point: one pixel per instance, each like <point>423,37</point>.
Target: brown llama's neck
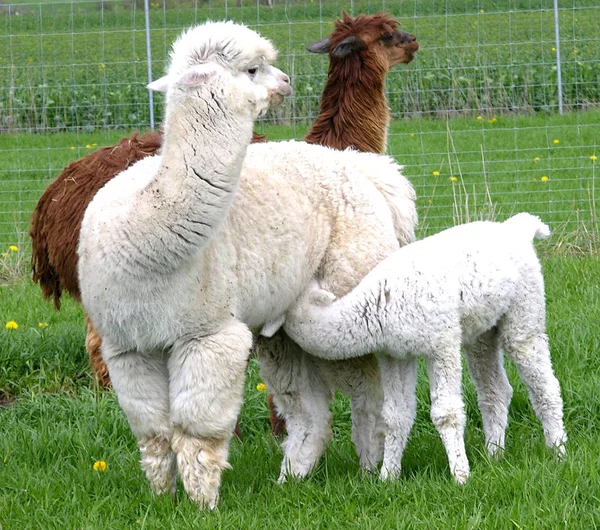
<point>354,111</point>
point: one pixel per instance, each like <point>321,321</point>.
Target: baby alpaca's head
<point>312,296</point>
<point>229,63</point>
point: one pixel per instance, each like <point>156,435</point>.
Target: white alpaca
<point>180,255</point>
<point>478,285</point>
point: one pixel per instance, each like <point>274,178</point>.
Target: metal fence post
<point>149,61</point>
<point>557,45</point>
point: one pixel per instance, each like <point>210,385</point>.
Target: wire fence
<point>498,113</point>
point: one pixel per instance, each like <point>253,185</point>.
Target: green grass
<point>493,164</point>
<point>59,424</point>
<point>83,65</point>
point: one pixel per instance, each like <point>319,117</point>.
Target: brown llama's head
<point>373,34</point>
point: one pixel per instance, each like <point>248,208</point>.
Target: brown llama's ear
<point>320,46</point>
<point>349,45</point>
<point>346,17</point>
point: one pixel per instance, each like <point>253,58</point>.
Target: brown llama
<point>354,110</point>
<point>353,113</point>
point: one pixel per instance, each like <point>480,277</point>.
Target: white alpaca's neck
<point>189,197</point>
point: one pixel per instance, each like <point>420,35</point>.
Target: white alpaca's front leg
<point>399,380</point>
<point>141,382</point>
<point>447,407</point>
<point>207,376</point>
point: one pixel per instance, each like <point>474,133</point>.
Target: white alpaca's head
<point>236,61</point>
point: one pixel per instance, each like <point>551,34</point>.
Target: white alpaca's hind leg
<point>141,382</point>
<point>368,428</point>
<point>207,383</point>
<point>447,407</point>
<point>360,379</point>
<point>485,362</point>
<point>399,379</point>
<point>302,399</point>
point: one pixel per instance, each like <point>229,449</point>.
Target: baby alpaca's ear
<point>318,296</point>
<point>322,298</point>
<point>270,328</point>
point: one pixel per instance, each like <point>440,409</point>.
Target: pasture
<point>479,141</point>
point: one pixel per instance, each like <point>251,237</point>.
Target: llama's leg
<point>302,399</point>
<point>494,392</point>
<point>447,407</point>
<point>399,380</point>
<point>526,344</point>
<point>93,345</point>
<point>141,382</point>
<point>206,389</point>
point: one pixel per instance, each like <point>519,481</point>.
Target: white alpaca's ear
<point>194,76</point>
<point>198,74</point>
<point>159,85</point>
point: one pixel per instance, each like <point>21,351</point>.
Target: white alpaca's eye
<point>252,71</point>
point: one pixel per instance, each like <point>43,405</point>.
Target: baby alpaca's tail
<point>530,226</point>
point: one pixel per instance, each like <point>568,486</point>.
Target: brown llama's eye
<point>387,38</point>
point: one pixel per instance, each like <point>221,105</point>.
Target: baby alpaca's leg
<point>447,407</point>
<point>141,382</point>
<point>494,392</point>
<point>399,379</point>
<point>527,346</point>
<point>207,384</point>
<point>302,399</point>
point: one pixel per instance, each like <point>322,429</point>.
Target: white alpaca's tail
<point>386,175</point>
<point>529,226</point>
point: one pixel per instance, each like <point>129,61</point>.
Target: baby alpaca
<point>477,285</point>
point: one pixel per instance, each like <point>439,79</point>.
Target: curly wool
<point>479,286</point>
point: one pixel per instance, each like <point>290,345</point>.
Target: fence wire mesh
<point>476,115</point>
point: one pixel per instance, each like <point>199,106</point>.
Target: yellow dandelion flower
<point>261,387</point>
<point>72,148</point>
<point>593,158</point>
<point>479,118</point>
<point>544,178</point>
<point>575,51</point>
<point>553,49</point>
<point>11,324</point>
<point>88,146</point>
<point>436,173</point>
<point>536,159</point>
<point>453,179</point>
<point>412,135</point>
<point>494,120</point>
<point>555,142</point>
<point>101,66</point>
<point>482,11</point>
<point>100,466</point>
<point>429,201</point>
<point>94,145</point>
<point>13,248</point>
<point>43,324</point>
